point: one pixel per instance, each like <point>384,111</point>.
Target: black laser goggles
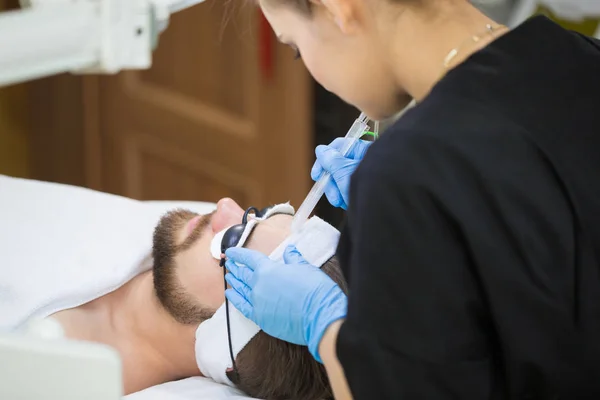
<point>231,238</point>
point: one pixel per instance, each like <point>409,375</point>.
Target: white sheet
<point>44,224</point>
<point>189,389</point>
<point>62,246</point>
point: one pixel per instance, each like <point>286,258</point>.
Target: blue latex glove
<point>291,300</point>
<point>341,168</point>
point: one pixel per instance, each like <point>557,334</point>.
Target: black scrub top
<point>472,240</point>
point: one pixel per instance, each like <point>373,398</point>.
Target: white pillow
<point>94,241</point>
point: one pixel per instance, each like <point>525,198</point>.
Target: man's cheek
<point>205,281</point>
<point>214,295</point>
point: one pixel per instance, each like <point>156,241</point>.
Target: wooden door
<point>213,117</point>
<point>208,121</point>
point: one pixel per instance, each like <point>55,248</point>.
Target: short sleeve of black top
<point>470,244</point>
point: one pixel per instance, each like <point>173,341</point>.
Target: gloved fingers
<point>359,149</point>
<point>317,169</point>
<point>240,303</point>
<point>356,152</point>
<point>250,258</point>
<point>241,272</point>
<point>330,159</point>
<point>333,194</point>
<point>239,286</point>
<point>292,255</point>
<point>337,143</point>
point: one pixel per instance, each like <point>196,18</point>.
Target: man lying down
<point>153,319</point>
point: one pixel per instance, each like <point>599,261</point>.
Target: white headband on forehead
<point>316,241</point>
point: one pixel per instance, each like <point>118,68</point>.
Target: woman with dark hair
<point>471,245</point>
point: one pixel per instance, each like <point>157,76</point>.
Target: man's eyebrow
<point>205,221</point>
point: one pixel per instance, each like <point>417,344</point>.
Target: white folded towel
<point>316,241</point>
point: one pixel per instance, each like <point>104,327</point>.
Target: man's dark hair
<point>272,369</point>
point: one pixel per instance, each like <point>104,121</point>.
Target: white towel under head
<point>316,241</point>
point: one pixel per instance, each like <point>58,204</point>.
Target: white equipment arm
<point>48,37</point>
<point>40,363</point>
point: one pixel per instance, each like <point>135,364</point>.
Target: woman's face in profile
<point>341,48</point>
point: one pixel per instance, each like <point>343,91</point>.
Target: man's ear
<point>343,13</point>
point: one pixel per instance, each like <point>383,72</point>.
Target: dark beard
<point>179,304</point>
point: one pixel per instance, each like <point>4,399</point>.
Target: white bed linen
<point>62,246</point>
<point>197,388</point>
<point>42,224</point>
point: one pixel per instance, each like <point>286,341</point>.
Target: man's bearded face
<point>171,237</point>
<point>188,281</point>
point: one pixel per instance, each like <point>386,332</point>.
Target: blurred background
<point>224,111</point>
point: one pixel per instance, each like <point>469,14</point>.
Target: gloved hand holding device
<point>291,300</point>
<point>341,168</point>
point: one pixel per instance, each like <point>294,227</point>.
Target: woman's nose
<point>228,213</point>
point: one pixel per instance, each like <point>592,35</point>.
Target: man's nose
<point>228,213</point>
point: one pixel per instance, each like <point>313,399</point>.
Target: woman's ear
<point>343,13</point>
